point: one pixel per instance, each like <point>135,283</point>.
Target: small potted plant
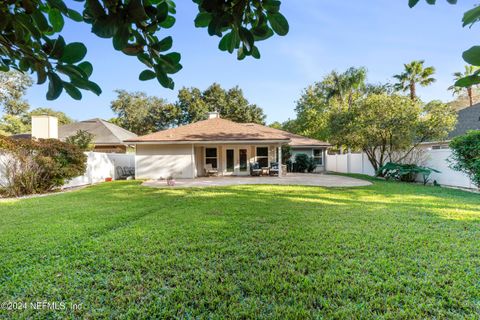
<point>171,181</point>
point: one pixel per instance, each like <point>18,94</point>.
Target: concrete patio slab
<point>301,179</point>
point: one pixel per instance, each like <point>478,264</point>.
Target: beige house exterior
<point>229,147</point>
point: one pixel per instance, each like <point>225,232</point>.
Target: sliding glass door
<point>243,159</point>
<point>230,160</point>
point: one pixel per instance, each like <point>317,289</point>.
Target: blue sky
<point>324,35</point>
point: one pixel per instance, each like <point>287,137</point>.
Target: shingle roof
<point>218,129</point>
<point>468,119</point>
<point>104,132</point>
<point>295,139</point>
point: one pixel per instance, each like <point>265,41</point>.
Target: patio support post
<point>194,167</point>
<point>279,161</point>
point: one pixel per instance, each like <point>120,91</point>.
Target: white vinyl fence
<point>104,165</point>
<point>436,159</point>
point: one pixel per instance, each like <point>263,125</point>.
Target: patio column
<point>194,166</point>
<point>279,161</point>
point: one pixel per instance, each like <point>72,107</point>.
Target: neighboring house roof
<point>105,133</point>
<point>218,129</point>
<point>295,139</point>
<point>468,119</point>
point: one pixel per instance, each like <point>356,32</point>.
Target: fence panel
<point>124,164</point>
<point>436,159</point>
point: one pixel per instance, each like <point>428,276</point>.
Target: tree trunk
<point>470,95</point>
<point>413,91</point>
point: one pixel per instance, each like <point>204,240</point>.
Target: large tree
<point>31,36</point>
<point>17,117</point>
<point>12,124</point>
<point>13,86</point>
<point>335,90</point>
<point>462,100</point>
<point>383,125</point>
<point>142,114</point>
<point>414,74</point>
<point>457,90</point>
<point>194,104</point>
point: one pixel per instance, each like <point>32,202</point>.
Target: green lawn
<point>390,251</point>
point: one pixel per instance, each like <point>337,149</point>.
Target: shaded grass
<point>389,250</point>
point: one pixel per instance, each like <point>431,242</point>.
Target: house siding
<point>162,161</point>
<point>309,152</point>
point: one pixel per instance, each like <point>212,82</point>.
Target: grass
<point>389,250</point>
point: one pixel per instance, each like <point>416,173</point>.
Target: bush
<point>82,139</point>
<point>466,155</point>
<point>304,163</point>
<point>405,172</point>
<point>38,166</point>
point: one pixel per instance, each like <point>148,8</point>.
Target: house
<point>108,137</point>
<point>230,147</point>
<point>468,119</point>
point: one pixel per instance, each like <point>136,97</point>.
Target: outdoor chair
<point>255,169</point>
<point>274,169</point>
<point>210,171</point>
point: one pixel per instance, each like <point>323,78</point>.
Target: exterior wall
<point>162,161</point>
<point>309,152</point>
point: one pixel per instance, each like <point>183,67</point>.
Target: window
<point>318,156</point>
<point>230,160</point>
<point>439,147</point>
<point>243,159</point>
<point>262,156</point>
<point>211,157</point>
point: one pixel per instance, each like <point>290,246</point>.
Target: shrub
<point>82,139</point>
<point>405,172</point>
<point>303,163</point>
<point>466,155</point>
<point>37,166</point>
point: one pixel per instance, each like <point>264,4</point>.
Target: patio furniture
<point>274,169</point>
<point>210,171</point>
<point>255,169</point>
<point>265,171</point>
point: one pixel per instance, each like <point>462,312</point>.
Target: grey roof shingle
<point>468,119</point>
<point>104,132</point>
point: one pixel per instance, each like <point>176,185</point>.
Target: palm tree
<point>469,70</point>
<point>343,86</point>
<point>414,74</point>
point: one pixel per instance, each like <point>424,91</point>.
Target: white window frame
<point>318,157</point>
<point>440,147</point>
<point>216,158</point>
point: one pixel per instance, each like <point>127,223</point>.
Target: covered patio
<point>304,179</point>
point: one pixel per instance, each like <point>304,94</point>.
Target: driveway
<point>303,179</point>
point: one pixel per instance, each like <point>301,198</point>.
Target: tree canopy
<point>13,86</point>
<point>142,114</point>
<point>31,36</point>
<point>193,105</point>
<point>17,117</point>
<point>414,73</point>
<point>382,125</point>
